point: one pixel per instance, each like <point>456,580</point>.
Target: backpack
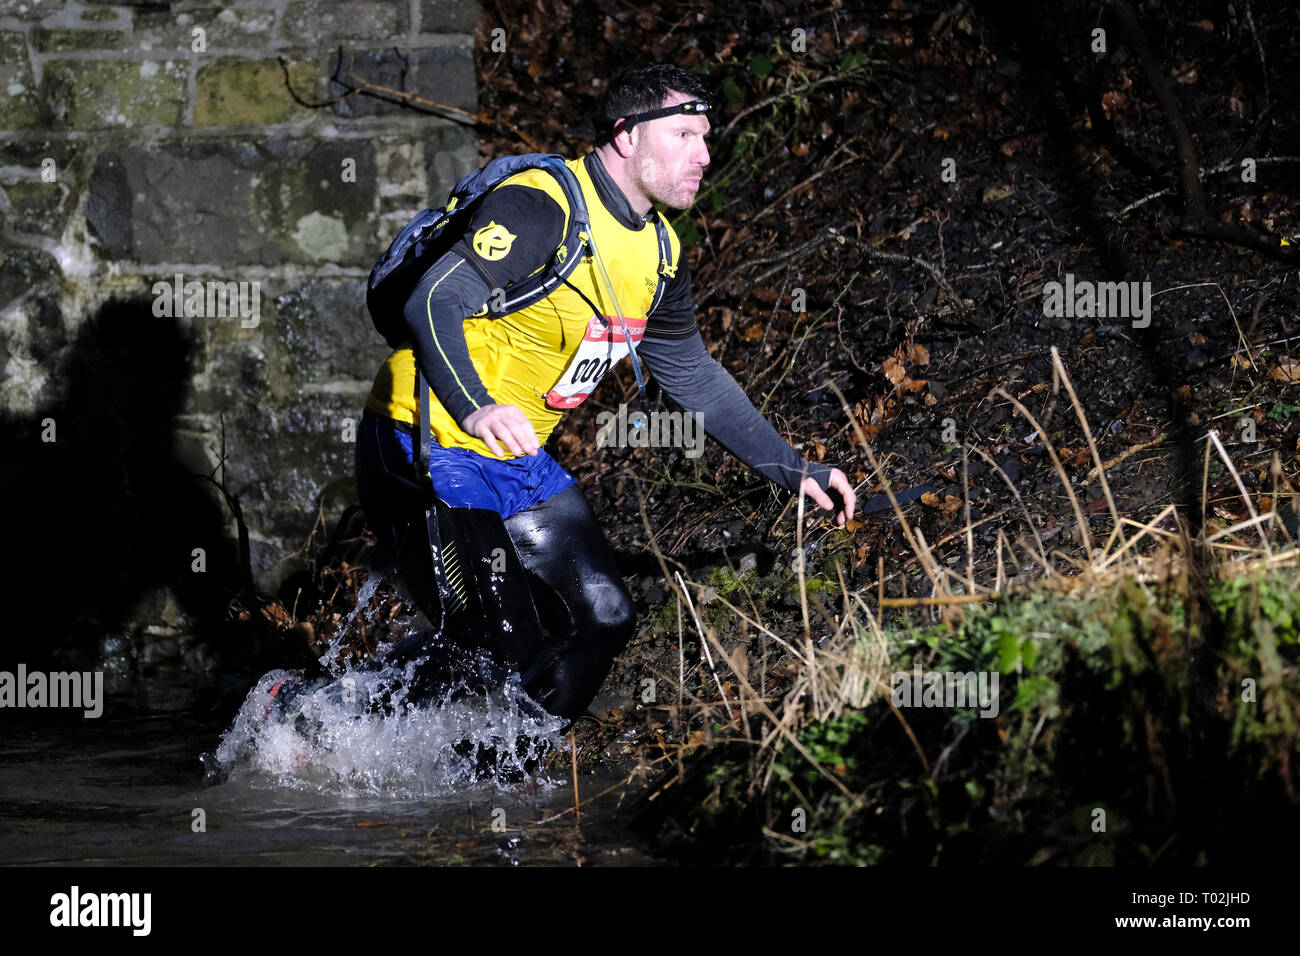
<point>432,233</point>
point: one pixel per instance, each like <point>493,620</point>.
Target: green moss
<point>19,105</point>
<point>233,91</point>
<point>63,39</point>
<point>727,583</point>
<point>93,94</point>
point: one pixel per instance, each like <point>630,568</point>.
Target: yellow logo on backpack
<point>493,241</point>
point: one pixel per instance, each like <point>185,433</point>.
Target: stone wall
<point>145,140</point>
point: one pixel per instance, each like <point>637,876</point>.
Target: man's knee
<point>610,618</point>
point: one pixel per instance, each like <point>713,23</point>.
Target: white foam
<point>337,747</point>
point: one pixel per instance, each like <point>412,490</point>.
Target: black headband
<point>690,107</point>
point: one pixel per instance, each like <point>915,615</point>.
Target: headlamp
<point>690,107</point>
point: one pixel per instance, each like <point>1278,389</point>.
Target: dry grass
<point>853,666</point>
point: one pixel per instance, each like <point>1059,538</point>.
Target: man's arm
<point>676,356</point>
<point>458,285</point>
<point>699,383</point>
<point>448,293</point>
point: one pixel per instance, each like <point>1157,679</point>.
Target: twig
<point>1120,459</point>
<point>807,87</point>
<point>1060,470</point>
<point>1029,520</point>
<point>1064,378</point>
<point>1222,167</point>
<point>902,519</point>
<point>970,530</point>
<point>811,179</point>
<point>1196,218</point>
<point>1232,469</point>
<point>946,599</point>
<point>1259,47</point>
<point>362,85</point>
<point>705,645</point>
<point>930,267</point>
<point>573,751</point>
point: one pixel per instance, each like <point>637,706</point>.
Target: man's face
<point>669,155</point>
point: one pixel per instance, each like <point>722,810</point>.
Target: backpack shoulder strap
<point>565,257</point>
<point>669,252</point>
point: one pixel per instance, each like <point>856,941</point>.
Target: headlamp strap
<point>690,107</point>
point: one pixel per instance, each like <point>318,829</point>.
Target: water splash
<point>358,734</point>
<point>333,656</point>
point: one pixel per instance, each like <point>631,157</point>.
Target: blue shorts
<point>462,478</point>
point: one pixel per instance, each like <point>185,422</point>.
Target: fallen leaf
<point>1286,371</point>
<point>739,662</point>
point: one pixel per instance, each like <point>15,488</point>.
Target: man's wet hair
<point>640,90</point>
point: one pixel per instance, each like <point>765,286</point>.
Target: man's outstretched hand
<point>838,483</point>
<point>506,423</point>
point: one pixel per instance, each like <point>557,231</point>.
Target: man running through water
<point>501,385</point>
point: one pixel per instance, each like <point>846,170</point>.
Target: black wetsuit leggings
<point>584,609</point>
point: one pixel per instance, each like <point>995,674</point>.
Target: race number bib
<point>603,347</point>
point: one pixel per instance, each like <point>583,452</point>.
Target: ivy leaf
<point>691,234</point>
<point>761,65</point>
<point>1008,652</point>
<point>1029,653</point>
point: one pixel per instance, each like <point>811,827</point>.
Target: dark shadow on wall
<point>106,512</point>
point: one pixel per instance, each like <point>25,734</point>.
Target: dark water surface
<point>124,788</point>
